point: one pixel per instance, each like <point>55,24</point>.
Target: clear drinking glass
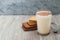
<point>43,21</point>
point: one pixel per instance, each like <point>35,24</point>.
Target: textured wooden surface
<point>11,29</point>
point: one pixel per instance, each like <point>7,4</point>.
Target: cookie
<point>35,24</point>
<point>32,21</point>
<point>27,27</point>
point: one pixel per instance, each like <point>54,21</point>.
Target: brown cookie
<point>32,20</point>
<point>31,24</point>
<point>27,27</point>
<point>30,29</point>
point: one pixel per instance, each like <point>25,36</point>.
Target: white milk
<point>43,23</point>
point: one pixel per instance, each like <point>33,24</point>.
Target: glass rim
<point>44,11</point>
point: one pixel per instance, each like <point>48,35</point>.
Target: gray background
<point>17,7</point>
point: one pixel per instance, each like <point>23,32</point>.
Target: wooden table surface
<point>11,29</point>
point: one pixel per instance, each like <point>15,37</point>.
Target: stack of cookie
<point>30,25</point>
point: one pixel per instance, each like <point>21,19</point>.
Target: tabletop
<point>11,28</point>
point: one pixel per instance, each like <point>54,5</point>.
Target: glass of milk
<point>43,22</point>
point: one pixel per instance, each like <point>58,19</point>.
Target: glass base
<point>43,34</point>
